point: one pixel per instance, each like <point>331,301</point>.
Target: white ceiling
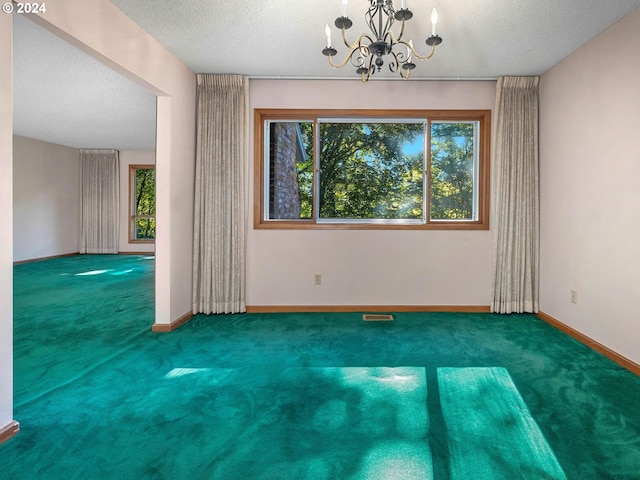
<point>63,96</point>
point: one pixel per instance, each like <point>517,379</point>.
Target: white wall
<point>590,174</point>
<point>46,199</point>
<point>369,267</point>
<point>127,158</point>
<point>6,221</point>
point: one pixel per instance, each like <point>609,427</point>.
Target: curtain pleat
<point>516,197</point>
<point>100,201</point>
<point>220,211</point>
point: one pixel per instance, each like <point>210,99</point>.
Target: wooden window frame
<point>132,214</point>
<point>483,184</point>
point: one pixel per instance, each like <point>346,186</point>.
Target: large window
<point>372,169</point>
<point>142,203</point>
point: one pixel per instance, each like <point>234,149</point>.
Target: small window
<point>290,175</point>
<point>372,169</point>
<point>142,203</point>
<point>454,171</point>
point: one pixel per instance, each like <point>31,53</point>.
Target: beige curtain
<point>516,197</point>
<point>220,198</point>
<point>100,201</point>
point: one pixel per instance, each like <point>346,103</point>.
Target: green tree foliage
<point>452,169</point>
<point>305,171</point>
<point>145,206</point>
<point>366,171</point>
<point>376,170</point>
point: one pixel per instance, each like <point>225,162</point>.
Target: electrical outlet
<point>317,279</point>
<point>574,296</point>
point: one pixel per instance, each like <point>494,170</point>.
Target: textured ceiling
<point>63,96</point>
<point>482,38</point>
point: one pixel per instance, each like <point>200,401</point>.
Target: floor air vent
<point>377,318</point>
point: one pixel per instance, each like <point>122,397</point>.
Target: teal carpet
<point>300,396</point>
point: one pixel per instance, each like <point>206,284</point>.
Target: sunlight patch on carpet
<point>123,272</point>
<point>92,272</point>
<point>180,372</point>
<point>403,387</point>
<point>351,423</point>
<point>491,433</point>
<point>397,460</point>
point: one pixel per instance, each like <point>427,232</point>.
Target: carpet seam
<point>80,375</point>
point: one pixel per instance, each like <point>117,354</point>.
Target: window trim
<point>482,116</point>
<point>132,213</point>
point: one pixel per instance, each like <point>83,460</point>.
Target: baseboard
<point>152,254</point>
<point>9,431</point>
<point>591,343</point>
<point>62,255</point>
<point>161,327</point>
<point>366,308</point>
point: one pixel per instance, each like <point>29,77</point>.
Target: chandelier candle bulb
<point>327,32</point>
<point>434,21</point>
<point>344,7</point>
<point>404,4</point>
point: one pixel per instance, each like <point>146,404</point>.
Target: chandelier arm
<point>346,60</point>
<point>401,32</point>
<point>367,75</point>
<point>409,48</point>
<point>358,42</point>
<point>413,51</point>
<point>391,39</point>
<point>393,42</point>
<point>364,77</point>
<point>357,46</point>
<point>395,63</point>
<point>419,57</point>
<point>406,75</point>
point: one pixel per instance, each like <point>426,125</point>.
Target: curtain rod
<point>394,79</point>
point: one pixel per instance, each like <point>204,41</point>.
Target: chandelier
<point>367,54</point>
